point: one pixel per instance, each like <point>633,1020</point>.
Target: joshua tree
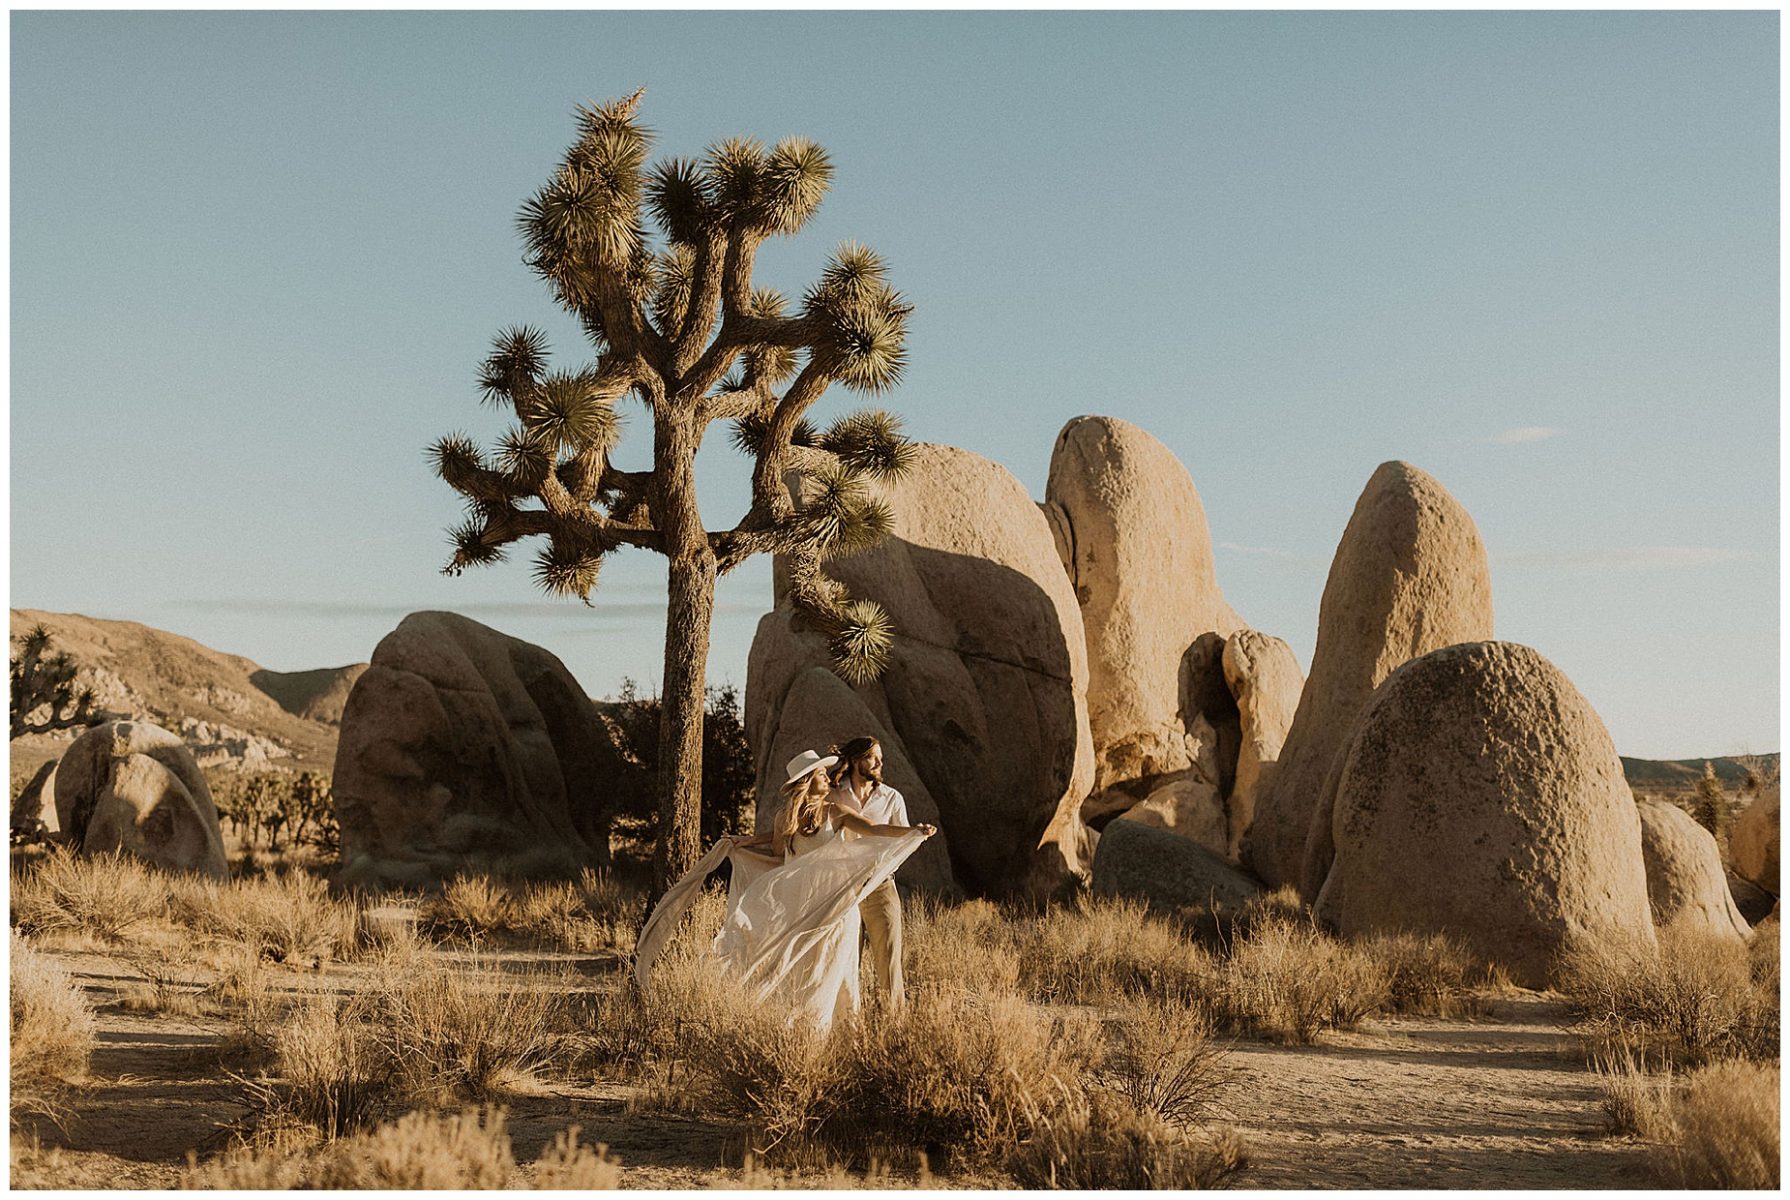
<point>40,678</point>
<point>679,325</point>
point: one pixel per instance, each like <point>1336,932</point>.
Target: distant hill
<point>229,709</point>
<point>1682,773</point>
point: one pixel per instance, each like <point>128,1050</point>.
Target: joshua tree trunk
<point>689,611</point>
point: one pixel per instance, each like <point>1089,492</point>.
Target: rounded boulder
<point>135,788</point>
<point>1685,881</point>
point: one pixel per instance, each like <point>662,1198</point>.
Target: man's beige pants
<point>881,912</point>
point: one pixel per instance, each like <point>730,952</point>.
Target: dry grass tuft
<point>1692,1001</point>
<point>958,946</point>
<point>1724,1129</point>
<point>52,1033</point>
<point>288,918</point>
<point>418,1151</point>
<point>567,1166</point>
<point>1095,1140</point>
<point>1163,1060</point>
<point>106,896</point>
<point>1287,981</point>
<point>332,1070</point>
<point>756,1176</point>
<point>452,1033</point>
<point>1431,973</point>
<point>1103,948</point>
<point>1635,1101</point>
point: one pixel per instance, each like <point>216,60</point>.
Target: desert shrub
<point>52,1032</point>
<point>419,1150</point>
<point>449,1032</point>
<point>1282,905</point>
<point>1096,1140</point>
<point>1101,948</point>
<point>1724,1129</point>
<point>287,918</point>
<point>1287,981</point>
<point>958,946</point>
<point>729,780</point>
<point>164,988</point>
<point>1692,999</point>
<point>955,1075</point>
<point>241,990</point>
<point>106,896</point>
<point>1430,973</point>
<point>469,908</point>
<point>565,1165</point>
<point>755,1175</point>
<point>333,1070</point>
<point>1163,1060</point>
<point>268,808</point>
<point>1635,1100</point>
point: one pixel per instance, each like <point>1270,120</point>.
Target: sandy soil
<point>1498,1101</point>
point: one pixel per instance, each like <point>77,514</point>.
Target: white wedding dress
<point>791,930</point>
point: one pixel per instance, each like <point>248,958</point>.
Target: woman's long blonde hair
<point>804,801</point>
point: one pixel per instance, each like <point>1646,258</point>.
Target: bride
<point>791,929</point>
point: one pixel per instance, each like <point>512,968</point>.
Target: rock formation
<point>1154,865</point>
<point>1409,576</point>
<point>461,745</point>
<point>1753,842</point>
<point>131,787</point>
<point>1479,795</point>
<point>1685,882</point>
<point>1133,537</point>
<point>985,694</point>
<point>1264,677</point>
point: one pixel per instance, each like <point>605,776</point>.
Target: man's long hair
<point>849,753</point>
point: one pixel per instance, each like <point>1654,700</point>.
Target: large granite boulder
<point>1479,795</point>
<point>1166,871</point>
<point>462,746</point>
<point>1753,842</point>
<point>1264,677</point>
<point>135,788</point>
<point>1685,882</point>
<point>1133,536</point>
<point>985,692</point>
<point>1410,576</point>
<point>34,808</point>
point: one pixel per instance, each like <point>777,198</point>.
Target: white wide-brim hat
<point>806,762</point>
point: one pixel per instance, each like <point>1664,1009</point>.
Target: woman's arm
<point>848,819</point>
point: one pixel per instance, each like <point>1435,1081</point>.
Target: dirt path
<point>1500,1101</point>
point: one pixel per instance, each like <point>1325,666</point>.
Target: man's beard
<point>864,772</point>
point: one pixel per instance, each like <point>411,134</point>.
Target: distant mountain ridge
<point>230,710</point>
<point>1676,773</point>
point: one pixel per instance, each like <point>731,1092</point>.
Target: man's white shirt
<point>884,805</point>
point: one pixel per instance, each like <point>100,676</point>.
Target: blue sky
<point>257,257</point>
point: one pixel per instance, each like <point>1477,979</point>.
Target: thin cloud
<point>1526,433</point>
<point>1629,558</point>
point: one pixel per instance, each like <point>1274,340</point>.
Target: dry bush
<point>471,907</point>
<point>1102,948</point>
<point>1425,973</point>
<point>567,1166</point>
<point>1692,1000</point>
<point>451,1032</point>
<point>104,896</point>
<point>1163,1060</point>
<point>1724,1129</point>
<point>958,946</point>
<point>592,914</point>
<point>1635,1100</point>
<point>287,918</point>
<point>1288,981</point>
<point>1096,1140</point>
<point>1282,905</point>
<point>756,1176</point>
<point>955,1074</point>
<point>332,1070</point>
<point>52,1032</point>
<point>162,990</point>
<point>242,992</point>
<point>419,1150</point>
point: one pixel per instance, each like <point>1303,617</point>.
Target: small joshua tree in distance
<point>40,678</point>
<point>678,324</point>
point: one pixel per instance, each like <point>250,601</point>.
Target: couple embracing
<point>802,895</point>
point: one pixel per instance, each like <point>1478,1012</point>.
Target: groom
<point>859,787</point>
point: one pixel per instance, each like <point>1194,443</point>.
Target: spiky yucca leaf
<point>852,274</point>
<point>473,546</point>
<point>840,516</point>
<point>749,433</point>
<point>862,647</point>
<point>612,115</point>
<point>456,458</point>
<point>568,411</point>
<point>865,342</point>
<point>677,192</point>
<point>525,457</point>
<point>736,171</point>
<point>579,213</point>
<point>518,356</point>
<point>870,442</point>
<point>671,298</point>
<point>796,177</point>
<point>565,570</point>
<point>858,527</point>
